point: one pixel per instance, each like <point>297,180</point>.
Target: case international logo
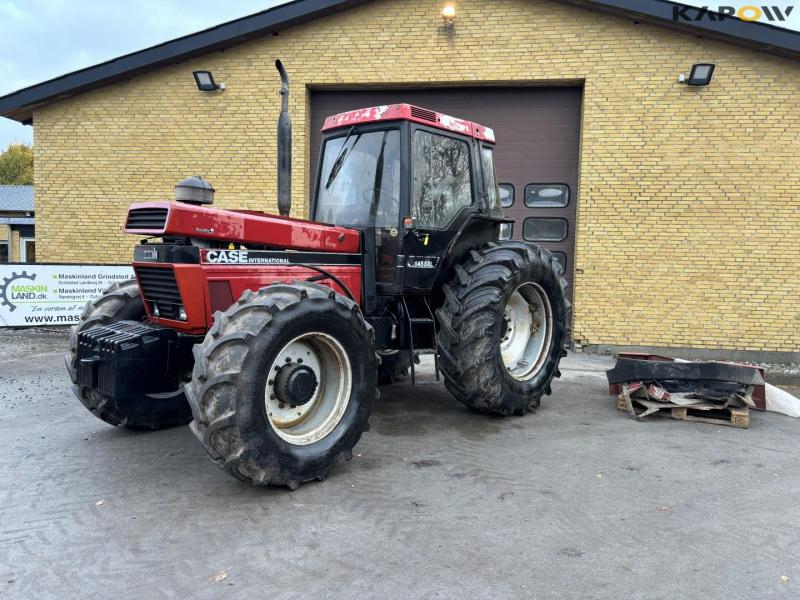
<point>748,12</point>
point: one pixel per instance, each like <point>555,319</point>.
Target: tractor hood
<point>177,219</point>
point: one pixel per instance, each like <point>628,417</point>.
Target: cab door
<point>443,192</point>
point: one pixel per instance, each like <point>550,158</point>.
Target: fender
<point>476,231</point>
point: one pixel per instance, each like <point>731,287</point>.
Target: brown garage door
<point>538,132</point>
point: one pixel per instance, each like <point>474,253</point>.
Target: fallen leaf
<point>784,579</point>
<point>99,503</point>
<point>599,475</point>
<point>664,509</point>
<point>217,577</point>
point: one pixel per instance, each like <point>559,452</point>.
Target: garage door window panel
<point>442,179</point>
<point>562,259</point>
<point>545,229</point>
<point>506,195</point>
<point>546,195</point>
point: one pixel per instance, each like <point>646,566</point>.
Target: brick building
<point>17,224</point>
<point>674,208</point>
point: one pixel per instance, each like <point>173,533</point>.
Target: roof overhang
<point>20,105</point>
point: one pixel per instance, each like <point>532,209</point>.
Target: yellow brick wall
<point>688,201</point>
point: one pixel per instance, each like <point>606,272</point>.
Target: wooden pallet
<point>732,417</point>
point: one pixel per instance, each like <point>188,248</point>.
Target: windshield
<point>360,180</point>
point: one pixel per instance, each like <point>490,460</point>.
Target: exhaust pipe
<point>284,147</point>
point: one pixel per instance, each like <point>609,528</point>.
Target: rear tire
<point>251,433</point>
<point>123,302</point>
<point>487,362</point>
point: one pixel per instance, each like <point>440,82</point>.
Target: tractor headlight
<point>182,314</point>
<point>154,310</point>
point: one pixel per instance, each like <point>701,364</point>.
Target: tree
<point>16,165</point>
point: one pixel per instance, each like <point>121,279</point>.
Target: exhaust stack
<point>284,147</point>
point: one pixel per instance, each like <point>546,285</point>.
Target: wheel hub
<point>295,384</point>
<point>308,388</point>
<point>526,331</point>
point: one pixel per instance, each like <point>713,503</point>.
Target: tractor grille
<point>160,288</point>
<point>147,218</point>
<point>424,114</point>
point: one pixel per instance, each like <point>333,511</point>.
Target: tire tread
<point>467,356</point>
<point>219,362</point>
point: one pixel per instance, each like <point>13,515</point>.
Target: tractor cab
<point>422,180</point>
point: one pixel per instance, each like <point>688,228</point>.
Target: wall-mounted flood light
<point>701,75</point>
<point>205,82</point>
<point>449,15</point>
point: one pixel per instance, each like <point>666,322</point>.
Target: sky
<point>42,39</point>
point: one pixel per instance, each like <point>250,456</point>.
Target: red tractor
<point>270,334</point>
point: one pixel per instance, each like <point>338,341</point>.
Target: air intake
<point>154,219</point>
<point>423,114</point>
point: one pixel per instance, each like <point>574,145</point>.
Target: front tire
<point>283,384</point>
<point>503,326</point>
<point>123,302</point>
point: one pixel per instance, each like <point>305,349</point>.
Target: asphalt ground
<point>573,501</point>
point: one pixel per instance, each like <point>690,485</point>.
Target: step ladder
<point>429,321</point>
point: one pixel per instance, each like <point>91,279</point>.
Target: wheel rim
<point>317,417</point>
<point>528,330</point>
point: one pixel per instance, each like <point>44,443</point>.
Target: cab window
<point>360,180</point>
<point>490,178</point>
<point>442,179</point>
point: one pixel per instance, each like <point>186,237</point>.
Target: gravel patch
<point>22,343</point>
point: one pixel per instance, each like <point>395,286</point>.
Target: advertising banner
<point>39,295</point>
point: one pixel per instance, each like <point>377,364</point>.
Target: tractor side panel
<point>241,279</point>
<point>201,289</point>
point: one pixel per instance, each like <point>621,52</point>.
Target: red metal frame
<point>409,112</point>
<point>249,227</point>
